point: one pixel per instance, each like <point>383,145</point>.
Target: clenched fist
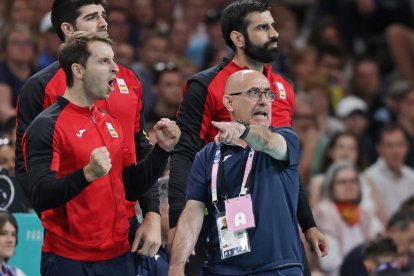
<point>99,164</point>
<point>167,134</point>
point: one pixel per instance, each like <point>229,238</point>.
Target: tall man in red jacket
<point>42,90</point>
<point>248,28</point>
<point>80,169</point>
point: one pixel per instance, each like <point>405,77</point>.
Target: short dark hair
<point>76,50</point>
<point>234,17</point>
<point>6,216</point>
<point>388,129</point>
<point>68,11</point>
<point>401,220</point>
<point>381,250</point>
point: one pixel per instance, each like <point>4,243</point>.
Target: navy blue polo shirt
<point>275,241</point>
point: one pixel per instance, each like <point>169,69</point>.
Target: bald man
<point>249,176</point>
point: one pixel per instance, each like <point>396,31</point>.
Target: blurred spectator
<point>287,27</point>
<point>380,256</point>
<point>11,194</point>
<point>340,216</point>
<point>302,66</point>
<point>124,54</point>
<point>366,84</point>
<point>405,117</point>
<point>8,242</point>
<point>318,88</point>
<point>214,55</point>
<point>9,129</point>
<point>187,67</point>
<point>49,43</point>
<point>313,141</point>
<point>331,64</point>
<point>2,13</point>
<point>7,156</point>
<point>345,146</point>
<point>118,27</point>
<point>142,14</point>
<point>18,48</point>
<point>165,14</point>
<point>168,89</point>
<point>400,229</point>
<point>326,32</point>
<point>152,51</point>
<point>21,12</point>
<point>394,180</point>
<point>42,7</point>
<point>178,40</point>
<point>400,40</point>
<point>354,113</point>
<point>194,14</point>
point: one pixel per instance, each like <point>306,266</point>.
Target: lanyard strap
<point>214,173</point>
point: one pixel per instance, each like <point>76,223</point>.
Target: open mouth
<point>111,84</point>
<point>260,113</point>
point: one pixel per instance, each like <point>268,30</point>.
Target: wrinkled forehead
<point>250,82</point>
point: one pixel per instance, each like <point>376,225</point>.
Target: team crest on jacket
<point>112,130</point>
<point>123,88</point>
<point>282,91</point>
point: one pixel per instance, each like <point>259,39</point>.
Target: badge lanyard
<point>214,173</point>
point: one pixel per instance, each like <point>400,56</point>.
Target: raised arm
<point>258,137</point>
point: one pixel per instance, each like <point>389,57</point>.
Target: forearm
<point>188,229</point>
<point>138,178</point>
<point>304,212</point>
<point>150,201</point>
<point>48,192</point>
<point>261,138</point>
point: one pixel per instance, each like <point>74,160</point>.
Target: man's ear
<point>67,28</point>
<point>77,71</point>
<point>228,103</point>
<point>237,38</point>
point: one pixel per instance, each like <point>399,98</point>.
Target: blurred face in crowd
<point>330,67</point>
<point>261,38</point>
<point>404,239</point>
<point>170,87</point>
<point>345,187</point>
<point>143,12</point>
<point>304,117</point>
<point>7,241</point>
<point>356,123</point>
<point>393,148</point>
<point>366,78</point>
<point>92,18</point>
<point>118,28</point>
<point>194,12</point>
<point>345,149</point>
<point>22,12</point>
<point>179,37</point>
<point>20,47</point>
<point>7,158</point>
<point>154,51</point>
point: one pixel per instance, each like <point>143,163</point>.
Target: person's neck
<point>20,69</point>
<point>396,171</point>
<point>77,96</point>
<point>242,60</point>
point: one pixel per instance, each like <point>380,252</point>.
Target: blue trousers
<point>52,265</point>
<point>289,271</point>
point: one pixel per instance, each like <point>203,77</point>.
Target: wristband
<point>246,130</point>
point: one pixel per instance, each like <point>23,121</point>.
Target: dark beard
<point>262,53</point>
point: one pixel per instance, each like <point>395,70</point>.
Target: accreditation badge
<point>231,243</point>
<point>239,213</point>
